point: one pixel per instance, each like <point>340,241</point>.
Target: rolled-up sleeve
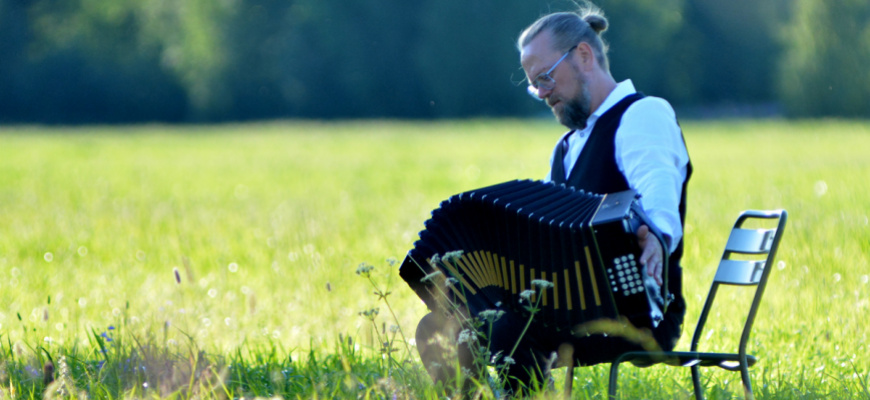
<point>651,154</point>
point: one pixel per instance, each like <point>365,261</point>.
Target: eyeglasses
<point>544,80</point>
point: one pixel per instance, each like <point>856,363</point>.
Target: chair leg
<point>696,382</point>
<point>566,354</point>
<point>747,384</point>
<point>614,376</point>
<point>569,381</point>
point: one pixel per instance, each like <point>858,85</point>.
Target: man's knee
<point>433,325</point>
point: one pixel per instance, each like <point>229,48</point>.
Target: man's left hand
<point>652,254</point>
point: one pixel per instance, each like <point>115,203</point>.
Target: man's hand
<point>652,255</point>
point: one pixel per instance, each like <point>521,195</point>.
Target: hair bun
<point>597,22</point>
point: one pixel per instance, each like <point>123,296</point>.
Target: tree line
<point>109,61</point>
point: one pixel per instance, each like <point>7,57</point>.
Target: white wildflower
<point>467,336</point>
<point>527,295</point>
<point>490,315</point>
<point>431,276</point>
<point>543,284</point>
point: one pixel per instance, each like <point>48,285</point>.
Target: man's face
<point>569,98</point>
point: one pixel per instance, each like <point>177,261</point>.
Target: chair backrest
<point>747,261</point>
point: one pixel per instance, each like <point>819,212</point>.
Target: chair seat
<point>728,361</point>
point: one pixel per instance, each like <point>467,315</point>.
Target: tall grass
<point>265,225</point>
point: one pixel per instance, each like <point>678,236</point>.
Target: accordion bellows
<point>483,248</point>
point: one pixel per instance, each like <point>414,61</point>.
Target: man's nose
<point>543,92</point>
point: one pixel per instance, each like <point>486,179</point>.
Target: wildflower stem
<point>390,308</point>
<point>532,311</point>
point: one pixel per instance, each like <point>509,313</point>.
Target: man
<point>618,140</point>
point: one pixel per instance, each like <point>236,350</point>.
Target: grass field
<point>219,261</point>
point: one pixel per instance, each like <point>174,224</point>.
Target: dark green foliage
<point>824,72</point>
<point>105,61</point>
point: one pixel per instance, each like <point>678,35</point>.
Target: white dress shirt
<point>650,153</point>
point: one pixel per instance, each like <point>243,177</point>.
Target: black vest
<point>596,171</point>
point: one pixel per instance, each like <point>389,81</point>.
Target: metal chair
<point>755,250</point>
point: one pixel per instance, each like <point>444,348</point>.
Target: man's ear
<point>586,57</point>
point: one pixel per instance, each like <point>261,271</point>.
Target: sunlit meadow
<point>219,261</point>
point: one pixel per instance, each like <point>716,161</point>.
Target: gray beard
<point>576,111</point>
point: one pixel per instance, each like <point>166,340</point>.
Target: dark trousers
<point>539,348</point>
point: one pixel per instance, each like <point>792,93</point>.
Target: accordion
<point>482,249</point>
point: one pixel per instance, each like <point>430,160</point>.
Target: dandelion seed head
<point>212,293</point>
<point>865,279</point>
<point>837,277</point>
<point>48,257</point>
<point>780,265</point>
<point>309,249</point>
<point>820,188</point>
<point>82,251</point>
